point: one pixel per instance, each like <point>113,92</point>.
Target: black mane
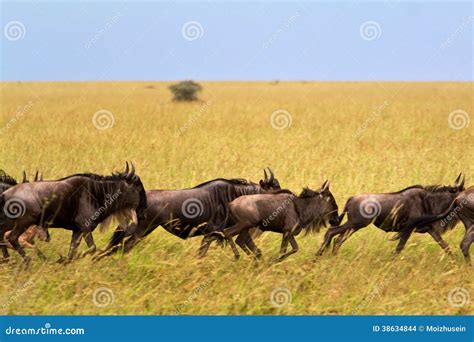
<point>7,179</point>
<point>429,188</point>
<point>116,176</point>
<point>236,181</point>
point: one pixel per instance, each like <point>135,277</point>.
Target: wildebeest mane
<point>235,181</point>
<point>7,179</point>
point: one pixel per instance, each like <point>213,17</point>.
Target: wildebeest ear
<point>325,186</point>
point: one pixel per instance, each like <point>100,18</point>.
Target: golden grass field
<point>364,137</point>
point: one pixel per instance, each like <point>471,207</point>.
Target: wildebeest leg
<point>205,244</point>
<point>340,240</point>
<point>75,241</point>
<point>331,233</point>
<point>466,242</point>
<point>234,230</point>
<point>13,240</point>
<point>437,237</point>
<point>90,243</point>
<point>402,241</point>
<point>245,235</point>
<point>3,245</point>
<point>242,243</point>
<point>291,239</point>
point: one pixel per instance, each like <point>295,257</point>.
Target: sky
<point>325,41</point>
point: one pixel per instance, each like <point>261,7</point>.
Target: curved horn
<point>462,182</point>
<point>325,186</point>
<point>126,168</point>
<point>132,173</point>
<point>266,176</point>
<point>24,177</point>
<point>41,177</point>
<point>272,176</point>
<point>456,182</point>
<point>36,176</point>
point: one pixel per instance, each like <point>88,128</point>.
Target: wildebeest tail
<point>344,211</point>
<point>3,217</point>
<point>424,220</point>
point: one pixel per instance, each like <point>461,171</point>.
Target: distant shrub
<point>185,91</point>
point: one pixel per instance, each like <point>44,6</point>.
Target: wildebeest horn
<point>126,168</point>
<point>132,173</point>
<point>456,182</point>
<point>41,177</point>
<point>462,182</point>
<point>272,176</point>
<point>24,177</point>
<point>36,176</point>
<point>266,176</point>
<point>325,186</point>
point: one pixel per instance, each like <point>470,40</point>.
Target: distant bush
<point>185,91</point>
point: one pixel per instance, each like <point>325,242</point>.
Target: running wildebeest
<point>192,212</point>
<point>462,208</point>
<point>78,202</point>
<point>282,212</point>
<point>394,212</point>
<point>27,239</point>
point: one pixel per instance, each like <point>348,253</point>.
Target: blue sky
<point>237,41</point>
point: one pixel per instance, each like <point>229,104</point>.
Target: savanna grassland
<point>364,137</point>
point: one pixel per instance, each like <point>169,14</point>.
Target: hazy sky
<point>237,41</point>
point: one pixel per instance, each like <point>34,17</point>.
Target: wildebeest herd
<point>218,210</point>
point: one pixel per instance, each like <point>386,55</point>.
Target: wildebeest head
<point>329,206</point>
<point>441,196</point>
<point>269,182</point>
<point>135,192</point>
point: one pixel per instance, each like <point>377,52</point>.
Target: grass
<point>364,137</point>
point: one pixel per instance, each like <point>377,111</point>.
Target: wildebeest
<point>283,212</point>
<point>191,212</point>
<point>27,239</point>
<point>462,208</point>
<point>78,202</point>
<point>394,212</point>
